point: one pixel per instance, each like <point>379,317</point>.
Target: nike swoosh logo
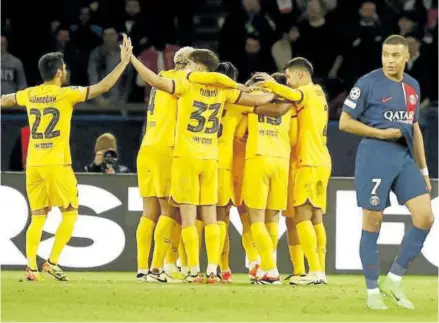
<point>384,100</point>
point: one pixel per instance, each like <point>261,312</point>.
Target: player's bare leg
<point>223,224</point>
<point>296,253</point>
<point>144,235</point>
<point>248,243</point>
<point>212,241</point>
<point>369,255</point>
<point>308,240</point>
<point>33,238</point>
<point>62,237</point>
<point>422,218</point>
<point>169,218</point>
<point>317,222</point>
<point>269,273</point>
<point>191,243</point>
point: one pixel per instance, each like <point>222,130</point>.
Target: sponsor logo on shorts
<point>374,200</point>
<point>355,93</point>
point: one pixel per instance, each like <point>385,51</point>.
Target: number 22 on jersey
<point>48,126</point>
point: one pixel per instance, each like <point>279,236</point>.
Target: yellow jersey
<point>199,113</point>
<point>231,117</point>
<point>312,117</point>
<point>293,137</point>
<point>268,136</point>
<point>162,114</point>
<point>49,110</point>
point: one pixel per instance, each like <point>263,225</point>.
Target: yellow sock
<point>321,244</point>
<point>172,254</point>
<point>263,245</point>
<point>297,259</point>
<point>162,240</point>
<point>212,240</point>
<point>200,227</point>
<point>33,238</point>
<point>272,228</point>
<point>222,239</point>
<point>63,234</point>
<point>225,255</point>
<point>182,253</point>
<point>144,236</point>
<point>247,240</point>
<point>308,240</point>
<point>191,245</point>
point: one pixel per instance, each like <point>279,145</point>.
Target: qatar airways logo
<point>400,116</point>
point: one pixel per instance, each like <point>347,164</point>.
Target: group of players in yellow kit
<point>209,143</point>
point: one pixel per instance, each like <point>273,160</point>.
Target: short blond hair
<point>181,56</point>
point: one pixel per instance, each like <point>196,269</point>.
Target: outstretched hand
<point>126,50</point>
<point>264,77</point>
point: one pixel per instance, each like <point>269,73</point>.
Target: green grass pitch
<point>116,297</point>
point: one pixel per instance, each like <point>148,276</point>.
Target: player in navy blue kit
<point>383,107</point>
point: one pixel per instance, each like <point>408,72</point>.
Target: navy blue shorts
<point>381,167</point>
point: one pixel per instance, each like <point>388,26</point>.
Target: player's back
<point>162,114</point>
<point>231,117</point>
<point>268,136</point>
<point>199,116</point>
<point>49,109</point>
<point>312,116</point>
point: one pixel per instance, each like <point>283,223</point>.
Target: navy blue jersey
<point>382,103</point>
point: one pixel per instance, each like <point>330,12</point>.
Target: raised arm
<point>349,124</point>
<point>293,95</point>
<point>273,109</point>
<point>108,82</point>
<point>213,78</point>
<point>160,83</point>
<point>254,100</point>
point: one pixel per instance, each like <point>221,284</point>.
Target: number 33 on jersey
<point>199,114</point>
<point>49,109</point>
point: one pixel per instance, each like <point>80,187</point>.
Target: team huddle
<point>260,147</point>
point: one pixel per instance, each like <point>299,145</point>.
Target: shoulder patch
<point>355,93</point>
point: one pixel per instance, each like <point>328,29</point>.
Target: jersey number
<point>197,115</point>
<point>377,182</point>
<point>151,103</point>
<point>274,121</point>
<point>49,132</point>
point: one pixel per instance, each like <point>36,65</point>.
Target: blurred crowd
<point>341,37</point>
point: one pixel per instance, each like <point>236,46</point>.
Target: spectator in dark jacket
<point>106,159</point>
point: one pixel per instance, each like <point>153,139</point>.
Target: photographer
<point>106,157</point>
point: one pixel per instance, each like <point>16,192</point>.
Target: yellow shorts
<point>226,190</point>
<point>238,169</point>
<point>266,183</point>
<point>289,212</point>
<point>49,186</point>
<point>194,181</point>
<point>153,171</point>
<point>310,185</point>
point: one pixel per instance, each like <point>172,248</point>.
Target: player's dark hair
<point>49,64</point>
<point>396,40</point>
<point>205,57</point>
<point>228,69</point>
<point>300,62</point>
<point>280,78</point>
